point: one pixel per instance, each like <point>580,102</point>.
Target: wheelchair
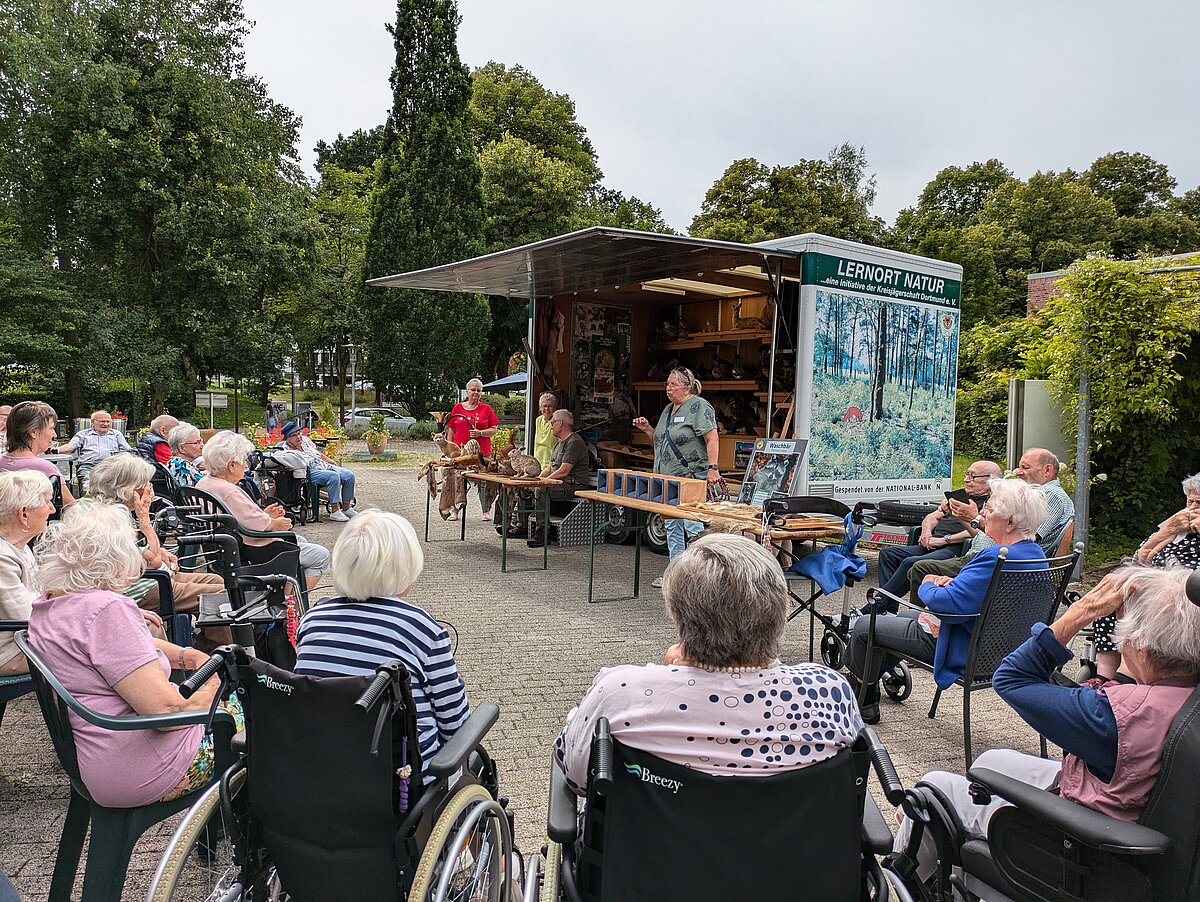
<point>655,830</point>
<point>297,495</point>
<point>355,814</point>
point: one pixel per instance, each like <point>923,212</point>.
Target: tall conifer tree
<point>427,209</point>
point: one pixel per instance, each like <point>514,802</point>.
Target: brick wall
<point>1040,287</point>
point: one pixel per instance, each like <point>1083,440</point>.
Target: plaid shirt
<point>1060,510</point>
<point>94,447</point>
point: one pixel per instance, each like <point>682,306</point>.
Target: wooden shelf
<point>699,339</point>
<point>722,385</point>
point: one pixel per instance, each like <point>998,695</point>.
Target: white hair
<point>225,448</point>
<point>478,383</point>
<point>547,396</point>
<point>1159,619</point>
<point>91,548</point>
<point>96,413</point>
<point>1191,484</point>
<point>22,488</point>
<point>727,595</point>
<point>1019,501</point>
<point>565,416</point>
<point>163,424</point>
<point>181,435</point>
<point>116,478</point>
<point>377,555</point>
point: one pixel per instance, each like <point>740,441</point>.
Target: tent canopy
<point>515,382</point>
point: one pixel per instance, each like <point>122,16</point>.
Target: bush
<point>421,430</point>
<point>514,407</point>
<point>496,402</point>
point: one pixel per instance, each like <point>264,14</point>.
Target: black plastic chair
<point>655,830</point>
<point>115,831</point>
<point>176,624</point>
<point>13,687</point>
<point>1020,594</point>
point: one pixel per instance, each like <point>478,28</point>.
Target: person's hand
<point>712,476</point>
<point>936,542</point>
<point>642,424</point>
<point>1105,598</point>
<point>937,580</point>
<point>194,659</point>
<point>152,620</point>
<point>474,433</point>
<point>167,560</point>
<point>275,510</point>
<point>140,502</point>
<point>1184,521</point>
<point>674,655</point>
<point>924,540</point>
<point>281,524</point>
<point>963,510</point>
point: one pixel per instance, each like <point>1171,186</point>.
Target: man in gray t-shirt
<point>570,461</point>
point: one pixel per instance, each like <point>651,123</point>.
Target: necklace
<point>743,668</point>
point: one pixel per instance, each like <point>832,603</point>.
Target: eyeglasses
<point>671,384</point>
<point>197,441</point>
<point>970,475</point>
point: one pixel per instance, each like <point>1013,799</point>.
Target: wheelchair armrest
<point>1092,828</point>
<point>12,626</point>
<point>455,752</point>
<point>875,832</point>
<point>562,812</point>
<point>166,595</point>
<point>875,593</point>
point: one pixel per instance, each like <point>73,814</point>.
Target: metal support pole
<point>1083,459</point>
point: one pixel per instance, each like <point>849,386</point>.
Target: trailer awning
<point>606,259</point>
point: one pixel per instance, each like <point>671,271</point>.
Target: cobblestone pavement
<point>529,641</point>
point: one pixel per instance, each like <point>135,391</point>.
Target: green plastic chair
<point>115,831</point>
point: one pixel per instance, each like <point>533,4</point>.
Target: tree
<point>751,203</point>
<point>427,209</point>
<point>953,200</point>
<point>1136,184</point>
<point>358,150</point>
<point>608,207</point>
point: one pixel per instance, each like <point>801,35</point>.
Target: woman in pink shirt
<point>96,642</point>
<point>31,426</point>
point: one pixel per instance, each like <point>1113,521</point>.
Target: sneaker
<point>350,512</point>
<point>870,713</point>
<point>854,614</point>
<point>657,582</point>
<point>339,517</point>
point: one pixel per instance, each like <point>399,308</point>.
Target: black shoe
<point>870,713</point>
<point>536,538</point>
<point>517,533</point>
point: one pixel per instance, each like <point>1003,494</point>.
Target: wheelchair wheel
<point>469,852</point>
<point>551,873</point>
<point>897,682</point>
<point>196,866</point>
<point>832,650</point>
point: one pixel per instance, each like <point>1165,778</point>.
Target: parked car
<point>395,421</point>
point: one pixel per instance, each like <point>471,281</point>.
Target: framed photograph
<point>774,466</point>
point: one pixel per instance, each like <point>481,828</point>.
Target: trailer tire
<point>904,513</point>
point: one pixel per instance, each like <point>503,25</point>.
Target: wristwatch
<point>713,467</point>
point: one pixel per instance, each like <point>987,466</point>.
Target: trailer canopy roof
<point>605,259</point>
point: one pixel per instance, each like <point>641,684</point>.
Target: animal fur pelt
<point>452,492</point>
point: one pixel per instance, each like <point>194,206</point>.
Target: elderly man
<point>95,444</point>
<point>337,481</point>
<point>1039,468</point>
<point>569,461</point>
<point>942,534</point>
<point>153,445</point>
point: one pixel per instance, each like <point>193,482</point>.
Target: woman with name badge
<point>685,444</point>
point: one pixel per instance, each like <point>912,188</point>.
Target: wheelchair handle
<point>602,778</point>
<point>893,789</point>
<point>189,686</point>
<point>384,674</point>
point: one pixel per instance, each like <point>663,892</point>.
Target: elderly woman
<point>186,463</point>
<point>685,444</point>
<point>706,706</point>
<point>95,641</point>
<point>942,632</point>
<point>31,426</point>
<point>543,433</point>
<point>225,457</point>
<point>472,419</point>
<point>25,506</point>
<point>124,479</point>
<point>1112,733</point>
<point>376,562</point>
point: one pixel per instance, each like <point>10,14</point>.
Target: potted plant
<point>376,435</point>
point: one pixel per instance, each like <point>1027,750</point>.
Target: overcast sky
<point>672,91</point>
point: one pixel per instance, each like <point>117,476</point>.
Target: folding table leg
<point>592,549</point>
<point>504,530</point>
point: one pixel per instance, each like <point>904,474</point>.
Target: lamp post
<point>353,351</point>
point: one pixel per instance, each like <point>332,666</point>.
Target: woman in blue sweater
<point>942,632</point>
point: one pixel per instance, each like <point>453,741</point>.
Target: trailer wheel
<point>654,537</point>
<point>614,527</point>
<point>904,513</point>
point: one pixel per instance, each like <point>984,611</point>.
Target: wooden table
<point>682,512</point>
<point>507,483</point>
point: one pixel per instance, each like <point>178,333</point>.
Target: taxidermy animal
<point>755,323</point>
<point>449,448</point>
<point>524,466</point>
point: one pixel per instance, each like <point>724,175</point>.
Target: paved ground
<point>529,641</point>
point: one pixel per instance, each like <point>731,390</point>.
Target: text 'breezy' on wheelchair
<point>329,799</point>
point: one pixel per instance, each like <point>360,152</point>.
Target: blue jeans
<point>896,560</point>
<point>338,482</point>
<point>677,533</point>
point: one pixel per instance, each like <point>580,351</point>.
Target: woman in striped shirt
<point>376,561</point>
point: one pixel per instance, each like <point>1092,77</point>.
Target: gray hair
<point>377,555</point>
<point>225,448</point>
<point>687,378</point>
<point>1019,501</point>
<point>116,478</point>
<point>1046,458</point>
<point>181,435</point>
<point>91,548</point>
<point>1191,485</point>
<point>1159,620</point>
<point>478,383</point>
<point>22,488</point>
<point>547,396</point>
<point>729,600</point>
<point>163,424</point>
<point>565,416</point>
<point>96,413</point>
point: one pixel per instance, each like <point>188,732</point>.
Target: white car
<point>395,422</point>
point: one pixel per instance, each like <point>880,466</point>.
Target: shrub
<point>515,407</point>
<point>496,402</point>
<point>421,430</point>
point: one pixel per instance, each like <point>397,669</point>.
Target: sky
<point>673,91</point>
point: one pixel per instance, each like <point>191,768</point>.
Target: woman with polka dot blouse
<point>721,701</point>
